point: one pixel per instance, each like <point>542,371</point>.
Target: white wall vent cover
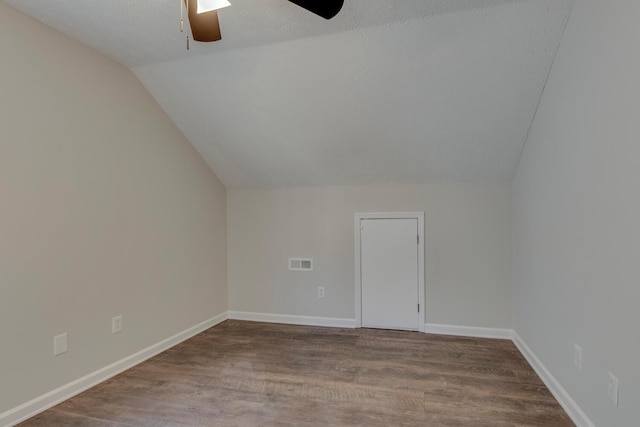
<point>301,264</point>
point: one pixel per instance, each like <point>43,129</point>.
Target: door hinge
<point>418,239</point>
<point>418,308</point>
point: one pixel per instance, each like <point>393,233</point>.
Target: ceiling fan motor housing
<point>325,8</point>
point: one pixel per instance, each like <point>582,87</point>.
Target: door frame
<point>358,217</point>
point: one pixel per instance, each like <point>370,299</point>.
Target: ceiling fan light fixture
<point>210,5</point>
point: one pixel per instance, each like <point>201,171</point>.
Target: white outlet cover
<point>60,344</point>
<point>320,292</point>
<point>612,388</point>
<point>577,356</point>
<point>116,324</point>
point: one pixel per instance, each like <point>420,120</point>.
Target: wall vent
<point>301,264</point>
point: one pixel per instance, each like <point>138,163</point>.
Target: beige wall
<point>467,249</point>
<point>105,209</point>
<point>577,213</point>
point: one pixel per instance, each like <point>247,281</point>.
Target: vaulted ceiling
<point>388,91</point>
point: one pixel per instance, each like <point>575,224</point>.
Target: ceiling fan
<point>203,15</point>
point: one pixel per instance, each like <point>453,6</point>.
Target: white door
<point>389,273</point>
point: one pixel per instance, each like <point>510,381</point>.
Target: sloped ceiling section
<point>388,91</point>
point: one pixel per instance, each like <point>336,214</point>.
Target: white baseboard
<point>293,320</point>
<point>468,331</point>
<point>52,398</point>
<point>562,396</point>
<point>48,400</point>
<point>570,406</point>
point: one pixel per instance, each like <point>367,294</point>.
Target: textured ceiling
<point>388,91</point>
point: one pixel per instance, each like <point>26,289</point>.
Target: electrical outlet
<point>577,356</point>
<point>60,344</point>
<point>116,324</point>
<point>320,291</point>
<point>612,389</point>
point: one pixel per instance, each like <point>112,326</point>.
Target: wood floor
<point>258,374</point>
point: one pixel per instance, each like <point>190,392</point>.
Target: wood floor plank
<point>55,418</point>
<point>247,373</point>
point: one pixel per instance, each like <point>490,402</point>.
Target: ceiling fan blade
<point>205,27</point>
<point>325,8</point>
